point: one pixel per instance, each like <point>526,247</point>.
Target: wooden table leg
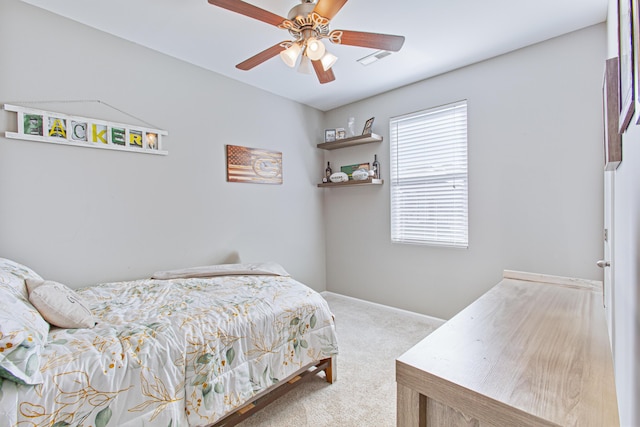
<point>412,408</point>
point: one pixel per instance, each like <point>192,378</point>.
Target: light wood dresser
<point>532,351</point>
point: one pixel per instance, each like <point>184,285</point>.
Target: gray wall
<point>83,216</point>
<point>535,180</point>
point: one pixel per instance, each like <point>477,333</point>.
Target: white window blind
<point>429,188</point>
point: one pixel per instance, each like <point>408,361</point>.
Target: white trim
<point>397,310</point>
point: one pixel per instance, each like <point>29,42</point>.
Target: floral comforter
<point>173,352</point>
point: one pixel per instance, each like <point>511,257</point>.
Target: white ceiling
<point>441,35</point>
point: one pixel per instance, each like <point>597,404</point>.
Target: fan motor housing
<point>301,10</point>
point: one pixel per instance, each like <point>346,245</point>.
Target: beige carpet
<point>370,338</point>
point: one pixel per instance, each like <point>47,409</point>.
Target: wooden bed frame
<point>261,400</point>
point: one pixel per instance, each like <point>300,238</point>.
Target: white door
<point>613,155</point>
<point>607,261</point>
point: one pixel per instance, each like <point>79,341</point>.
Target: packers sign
<point>58,128</point>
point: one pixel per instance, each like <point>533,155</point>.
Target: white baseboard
<point>397,310</point>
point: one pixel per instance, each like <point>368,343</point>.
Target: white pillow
<point>59,305</point>
<point>14,275</point>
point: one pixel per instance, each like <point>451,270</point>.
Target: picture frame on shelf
<point>367,126</point>
<point>625,64</point>
<point>329,135</point>
<point>341,133</point>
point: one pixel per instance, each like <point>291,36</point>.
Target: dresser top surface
<point>539,347</point>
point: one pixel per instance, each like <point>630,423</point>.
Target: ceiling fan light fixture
<point>328,59</point>
<point>315,48</point>
<point>308,24</point>
<point>290,55</point>
<point>305,65</point>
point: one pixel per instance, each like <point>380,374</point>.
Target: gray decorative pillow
<point>59,305</point>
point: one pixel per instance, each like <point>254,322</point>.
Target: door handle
<point>602,263</point>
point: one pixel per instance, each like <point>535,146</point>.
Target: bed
<point>192,347</point>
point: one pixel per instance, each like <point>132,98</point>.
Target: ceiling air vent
<point>370,59</point>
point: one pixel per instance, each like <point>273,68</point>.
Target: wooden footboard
<point>268,396</point>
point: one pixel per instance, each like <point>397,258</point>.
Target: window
<point>429,203</point>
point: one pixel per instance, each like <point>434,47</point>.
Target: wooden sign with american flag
<point>254,165</point>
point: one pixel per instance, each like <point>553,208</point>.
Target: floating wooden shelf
<point>350,142</point>
<point>370,181</point>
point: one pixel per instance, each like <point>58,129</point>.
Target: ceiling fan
<point>308,24</point>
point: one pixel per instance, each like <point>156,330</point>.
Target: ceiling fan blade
<point>323,76</point>
<point>249,10</point>
<point>329,8</point>
<point>372,40</point>
<point>260,57</point>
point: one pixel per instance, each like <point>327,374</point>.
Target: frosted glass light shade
<point>290,55</point>
<point>328,60</point>
<point>305,65</point>
<point>315,49</point>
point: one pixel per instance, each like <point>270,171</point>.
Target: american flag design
<point>253,165</point>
